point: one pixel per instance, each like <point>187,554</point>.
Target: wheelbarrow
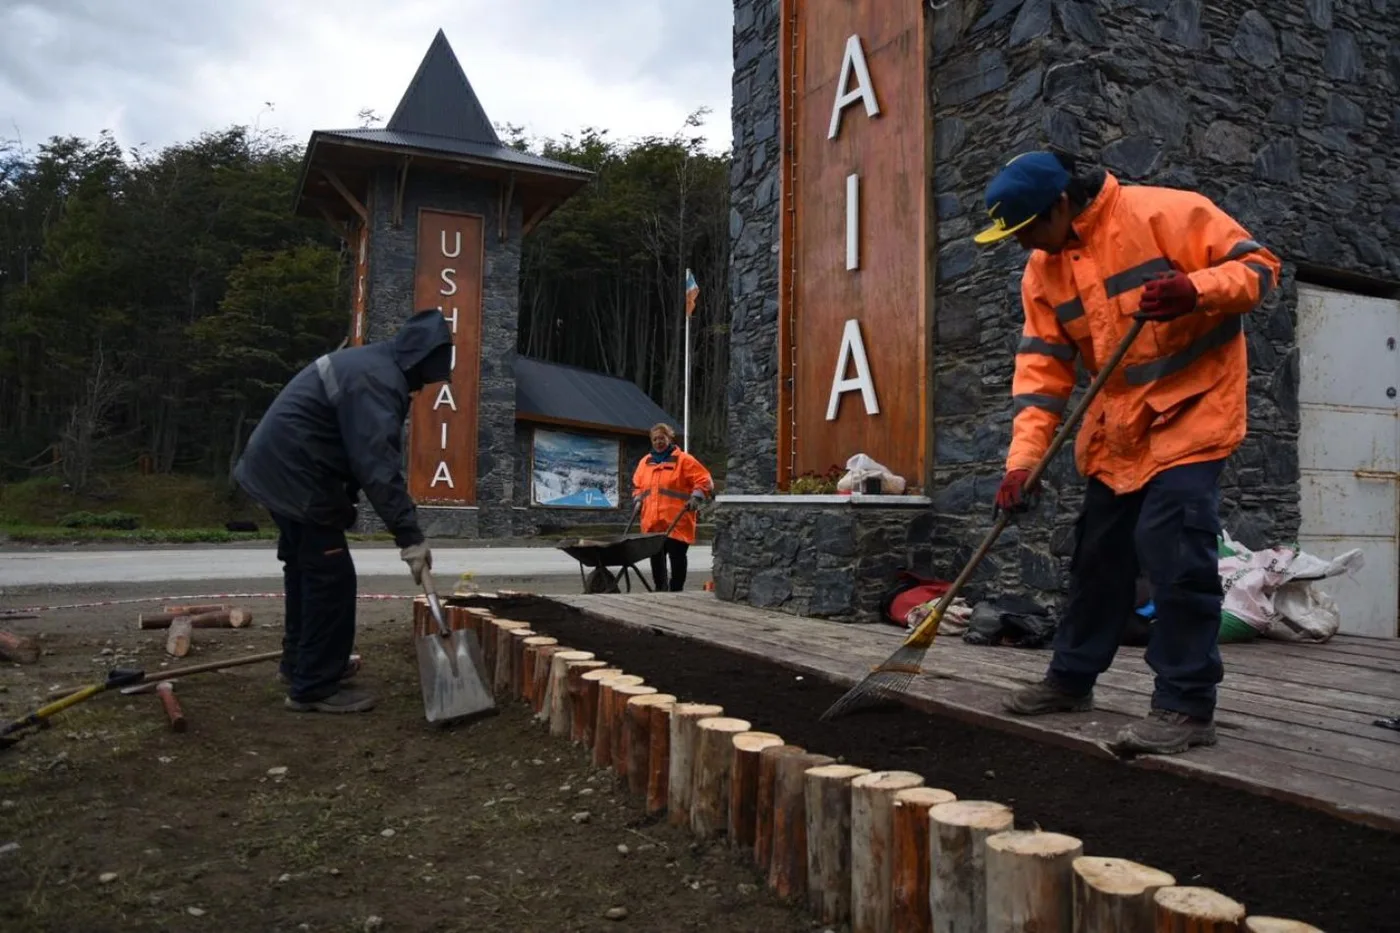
<point>623,552</point>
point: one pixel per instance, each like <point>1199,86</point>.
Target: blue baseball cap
<point>1027,186</point>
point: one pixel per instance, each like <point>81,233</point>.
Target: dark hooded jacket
<point>336,429</point>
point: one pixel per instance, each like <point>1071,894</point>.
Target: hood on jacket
<point>423,348</point>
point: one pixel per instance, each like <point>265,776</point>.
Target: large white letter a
<point>864,90</point>
<point>852,350</point>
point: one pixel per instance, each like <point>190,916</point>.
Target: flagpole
<point>686,441</point>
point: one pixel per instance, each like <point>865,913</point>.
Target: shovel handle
<point>434,604</point>
<point>924,632</point>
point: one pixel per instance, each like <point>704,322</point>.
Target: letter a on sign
<point>852,350</point>
<point>864,90</point>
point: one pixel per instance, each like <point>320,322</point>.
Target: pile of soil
<point>1276,858</point>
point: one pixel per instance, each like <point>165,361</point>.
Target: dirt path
<point>121,824</point>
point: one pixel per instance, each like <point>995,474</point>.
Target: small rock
<point>536,761</point>
<point>335,872</point>
<point>990,773</point>
<point>284,878</point>
<point>107,877</point>
<point>387,834</point>
<point>277,771</point>
<point>583,816</point>
<point>587,791</point>
<point>747,889</point>
<point>472,878</point>
<point>616,913</point>
<point>564,789</point>
<point>373,923</point>
<point>9,848</point>
<point>508,787</point>
<point>7,804</point>
<point>107,652</point>
<point>194,911</point>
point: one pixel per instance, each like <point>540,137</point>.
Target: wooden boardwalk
<point>1295,722</point>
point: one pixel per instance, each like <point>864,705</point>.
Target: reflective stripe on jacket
<point>664,490</point>
<point>1178,396</point>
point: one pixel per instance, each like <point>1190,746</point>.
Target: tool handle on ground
<point>921,632</point>
<point>434,604</point>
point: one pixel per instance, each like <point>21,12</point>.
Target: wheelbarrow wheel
<point>601,580</point>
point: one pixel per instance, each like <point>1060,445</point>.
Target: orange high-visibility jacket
<point>665,488</point>
<point>1178,396</point>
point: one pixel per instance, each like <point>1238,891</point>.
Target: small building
<point>435,207</point>
<point>864,319</point>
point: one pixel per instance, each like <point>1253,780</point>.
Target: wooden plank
<point>1255,760</point>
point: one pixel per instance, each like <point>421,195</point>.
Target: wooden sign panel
<point>854,256</point>
<point>358,300</point>
<point>442,421</point>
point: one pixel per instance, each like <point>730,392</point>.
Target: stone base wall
<point>831,557</point>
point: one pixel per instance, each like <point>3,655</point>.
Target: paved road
<point>250,563</point>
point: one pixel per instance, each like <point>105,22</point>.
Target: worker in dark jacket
<point>335,430</point>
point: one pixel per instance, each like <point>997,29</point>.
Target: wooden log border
<point>974,869</point>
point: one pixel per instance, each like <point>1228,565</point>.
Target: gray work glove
<point>418,558</point>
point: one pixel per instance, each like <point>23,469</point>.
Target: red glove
<point>1168,296</point>
<point>1012,495</point>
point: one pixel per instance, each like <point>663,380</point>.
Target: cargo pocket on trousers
<point>1198,549</point>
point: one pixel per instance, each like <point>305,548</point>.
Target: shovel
<point>450,668</point>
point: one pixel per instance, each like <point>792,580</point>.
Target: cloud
<point>161,71</point>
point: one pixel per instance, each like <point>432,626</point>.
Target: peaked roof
<point>440,101</point>
<point>439,124</point>
<point>554,393</point>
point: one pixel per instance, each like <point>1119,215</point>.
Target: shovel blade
<point>452,675</point>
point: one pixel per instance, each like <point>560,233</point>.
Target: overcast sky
<point>156,72</point>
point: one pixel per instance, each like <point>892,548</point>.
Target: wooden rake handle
<point>924,633</point>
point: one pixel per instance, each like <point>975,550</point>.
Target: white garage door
<point>1349,448</point>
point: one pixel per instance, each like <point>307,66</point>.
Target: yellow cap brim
<point>996,234</point>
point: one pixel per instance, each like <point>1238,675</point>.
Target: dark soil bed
<point>1276,858</point>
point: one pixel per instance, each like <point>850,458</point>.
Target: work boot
<point>1165,732</point>
<point>344,700</point>
<point>1045,697</point>
<point>352,667</point>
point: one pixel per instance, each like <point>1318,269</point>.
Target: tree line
<point>153,302</point>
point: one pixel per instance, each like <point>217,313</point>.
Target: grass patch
<point>30,534</point>
<point>157,502</point>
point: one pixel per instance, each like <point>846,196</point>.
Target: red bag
<point>910,591</point>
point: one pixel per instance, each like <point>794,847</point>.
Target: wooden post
<point>1030,882</point>
<point>957,848</point>
<point>787,869</point>
<point>603,723</point>
<point>828,814</point>
<point>714,762</point>
<point>1277,925</point>
<point>1197,910</point>
<point>533,644</point>
<point>544,667</point>
<point>766,802</point>
<point>684,735</point>
<point>501,670</point>
<point>518,638</point>
<point>573,686</point>
<point>909,865</point>
<point>166,691</point>
<point>743,787</point>
<point>872,847</point>
<point>1114,895</point>
<point>623,694</point>
<point>659,758</point>
<point>586,712</point>
<point>205,617</point>
<point>171,610</point>
<point>177,641</point>
<point>638,742</point>
<point>18,649</point>
<point>557,693</point>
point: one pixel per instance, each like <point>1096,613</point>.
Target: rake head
<point>884,684</point>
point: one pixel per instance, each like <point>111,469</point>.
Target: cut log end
<point>974,814</point>
<point>1034,843</point>
<point>755,742</point>
<point>1186,908</point>
<point>1119,877</point>
<point>177,640</point>
<point>1277,925</point>
<point>837,772</point>
<point>166,691</point>
<point>889,781</point>
<point>926,797</point>
<point>18,649</point>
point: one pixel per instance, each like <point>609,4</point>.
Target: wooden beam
<point>536,217</point>
<point>507,198</point>
<point>350,199</point>
<point>338,227</point>
<point>399,186</point>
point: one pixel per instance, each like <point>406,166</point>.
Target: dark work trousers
<point>676,551</point>
<point>1168,530</point>
<point>319,580</point>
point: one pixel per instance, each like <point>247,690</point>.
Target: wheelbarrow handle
<point>636,508</point>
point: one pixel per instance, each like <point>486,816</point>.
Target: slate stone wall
<point>831,561</point>
<point>393,254</point>
<point>753,242</point>
<point>531,519</point>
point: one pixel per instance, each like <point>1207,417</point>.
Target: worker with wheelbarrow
<point>1154,440</point>
<point>668,486</point>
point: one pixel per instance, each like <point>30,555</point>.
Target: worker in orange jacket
<point>1153,443</point>
<point>667,483</point>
